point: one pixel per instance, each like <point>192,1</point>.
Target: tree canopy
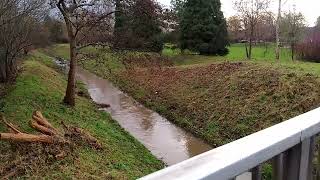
<point>203,27</point>
<point>137,25</point>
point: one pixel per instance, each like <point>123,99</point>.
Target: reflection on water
<point>165,140</point>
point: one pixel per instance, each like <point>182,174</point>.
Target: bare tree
<point>250,12</point>
<point>83,18</point>
<point>265,28</point>
<point>18,19</point>
<point>235,29</point>
<point>292,27</point>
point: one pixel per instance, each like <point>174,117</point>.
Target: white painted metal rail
<point>289,146</point>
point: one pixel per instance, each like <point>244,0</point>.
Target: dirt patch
<point>224,102</point>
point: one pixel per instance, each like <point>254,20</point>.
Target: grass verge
<point>39,87</point>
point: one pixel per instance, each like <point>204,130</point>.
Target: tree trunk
<point>3,74</point>
<point>250,40</point>
<point>278,33</point>
<point>250,49</point>
<point>69,98</point>
<point>292,51</point>
<point>247,52</point>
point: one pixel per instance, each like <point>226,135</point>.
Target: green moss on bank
<point>40,87</point>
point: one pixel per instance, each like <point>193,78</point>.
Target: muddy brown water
<point>164,139</point>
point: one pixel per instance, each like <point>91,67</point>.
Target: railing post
<point>277,167</point>
<point>298,161</point>
<point>307,154</point>
<point>256,173</point>
<point>292,159</point>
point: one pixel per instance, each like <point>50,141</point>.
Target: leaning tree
<point>88,22</point>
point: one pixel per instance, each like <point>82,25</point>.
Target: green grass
<point>216,104</point>
<point>261,52</point>
<point>40,87</point>
<point>246,98</point>
<point>221,105</point>
<point>223,102</point>
<point>59,50</point>
<point>237,54</point>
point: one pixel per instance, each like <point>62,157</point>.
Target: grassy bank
<point>261,56</point>
<point>221,101</point>
<point>39,87</point>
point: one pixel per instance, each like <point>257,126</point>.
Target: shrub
<point>309,49</point>
<point>143,60</point>
<point>157,43</point>
<point>210,49</point>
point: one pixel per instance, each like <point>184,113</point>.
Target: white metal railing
<point>289,146</point>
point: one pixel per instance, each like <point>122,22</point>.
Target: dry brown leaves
<point>223,102</point>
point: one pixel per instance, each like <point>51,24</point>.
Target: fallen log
<point>23,137</point>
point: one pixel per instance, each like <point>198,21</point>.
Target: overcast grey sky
<point>310,8</point>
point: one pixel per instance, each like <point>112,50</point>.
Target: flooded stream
<point>164,139</point>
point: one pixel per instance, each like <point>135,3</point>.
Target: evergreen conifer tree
<point>204,28</point>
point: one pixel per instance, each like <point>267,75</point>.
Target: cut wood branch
<point>10,126</point>
<point>42,129</point>
<point>49,134</point>
<point>64,126</point>
<point>37,115</point>
<point>23,137</point>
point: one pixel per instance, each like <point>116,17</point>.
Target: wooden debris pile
<point>26,150</point>
<point>49,134</point>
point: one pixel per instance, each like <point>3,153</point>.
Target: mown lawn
<point>261,55</point>
<point>40,87</point>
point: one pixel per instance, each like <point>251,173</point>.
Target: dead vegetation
<point>147,60</point>
<point>224,102</point>
<point>29,152</point>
